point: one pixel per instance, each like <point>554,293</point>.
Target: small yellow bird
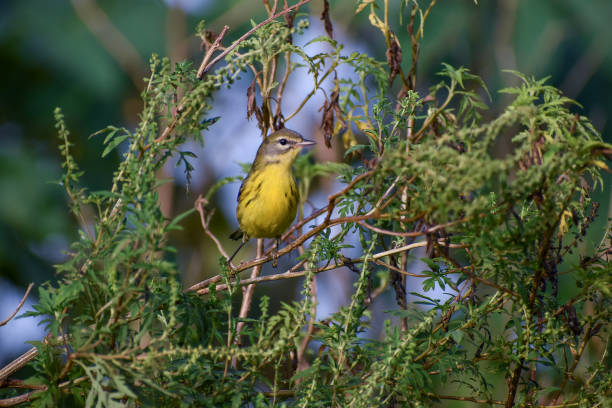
<point>268,196</point>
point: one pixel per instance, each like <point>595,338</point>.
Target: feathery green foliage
<point>498,233</point>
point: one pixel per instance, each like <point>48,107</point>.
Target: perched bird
<point>268,196</point>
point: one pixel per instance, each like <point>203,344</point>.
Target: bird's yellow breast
<point>268,202</point>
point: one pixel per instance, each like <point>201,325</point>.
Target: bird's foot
<point>275,253</point>
<point>275,258</point>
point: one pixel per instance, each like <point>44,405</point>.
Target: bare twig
<point>19,306</point>
<point>312,232</point>
<point>398,270</point>
<point>203,289</point>
<point>17,364</point>
<point>211,50</point>
<point>209,65</point>
<point>247,293</point>
<point>302,362</point>
<point>206,64</point>
<point>20,399</point>
<point>199,204</point>
<point>332,198</point>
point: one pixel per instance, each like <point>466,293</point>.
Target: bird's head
<point>282,147</point>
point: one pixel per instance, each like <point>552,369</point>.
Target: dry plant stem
<point>206,64</point>
<point>283,84</point>
<point>200,202</point>
<point>204,284</point>
<point>332,202</point>
<point>386,194</point>
<point>20,399</point>
<point>247,293</point>
<point>332,198</point>
<point>403,272</point>
<point>204,289</point>
<point>400,281</point>
<point>19,306</point>
<point>384,231</point>
<point>401,286</point>
<point>303,238</point>
<point>414,42</point>
<point>317,86</point>
<point>23,384</point>
<point>206,68</point>
<point>17,364</point>
<point>302,363</point>
<point>214,47</point>
<point>272,10</point>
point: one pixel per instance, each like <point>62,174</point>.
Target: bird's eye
<point>283,142</point>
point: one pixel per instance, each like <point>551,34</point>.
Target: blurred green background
<point>89,58</point>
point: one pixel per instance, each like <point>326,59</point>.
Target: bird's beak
<point>305,142</point>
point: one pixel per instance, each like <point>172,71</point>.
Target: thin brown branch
<point>204,284</point>
<point>378,206</point>
<point>388,232</point>
<point>17,364</point>
<point>206,64</point>
<point>302,362</point>
<point>199,204</point>
<point>279,393</point>
<point>211,50</point>
<point>180,108</point>
<point>332,198</point>
<point>202,287</point>
<point>414,42</point>
<point>22,384</point>
<point>306,236</point>
<point>398,270</point>
<point>27,397</point>
<point>206,67</point>
<point>19,306</point>
<point>314,231</point>
<point>281,88</point>
<point>20,399</point>
<point>247,293</point>
<point>317,86</point>
<point>271,10</point>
